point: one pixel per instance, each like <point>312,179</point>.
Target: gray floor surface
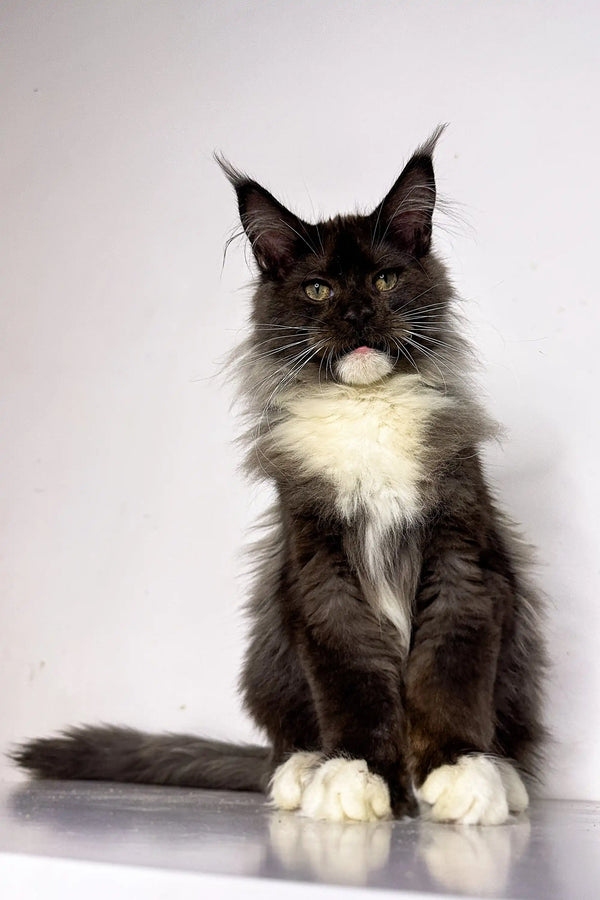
<point>553,852</point>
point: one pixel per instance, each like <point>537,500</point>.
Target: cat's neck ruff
<point>368,441</point>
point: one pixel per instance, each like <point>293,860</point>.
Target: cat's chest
<point>370,444</point>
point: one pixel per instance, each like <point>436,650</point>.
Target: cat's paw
<point>516,792</point>
<point>290,779</point>
<point>343,790</point>
<point>475,790</point>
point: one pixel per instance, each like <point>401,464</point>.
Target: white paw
<point>343,790</point>
<point>475,790</point>
<point>516,792</point>
<point>290,779</point>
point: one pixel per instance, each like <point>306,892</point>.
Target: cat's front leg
<point>353,663</point>
<point>450,686</point>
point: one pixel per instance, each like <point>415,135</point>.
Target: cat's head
<point>352,299</point>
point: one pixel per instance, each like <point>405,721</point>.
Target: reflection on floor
<point>553,852</point>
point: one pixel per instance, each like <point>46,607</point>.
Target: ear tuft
<point>404,216</point>
<point>427,148</point>
<point>233,175</point>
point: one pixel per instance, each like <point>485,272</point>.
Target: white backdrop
<point>122,510</point>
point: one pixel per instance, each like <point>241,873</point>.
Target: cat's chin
<point>363,366</point>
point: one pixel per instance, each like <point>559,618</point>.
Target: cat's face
<point>351,299</point>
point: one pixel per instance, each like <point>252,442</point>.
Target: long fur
<point>392,621</point>
<point>111,753</point>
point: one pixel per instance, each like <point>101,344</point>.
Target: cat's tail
<point>109,753</point>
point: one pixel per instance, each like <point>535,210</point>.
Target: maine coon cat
<point>395,654</point>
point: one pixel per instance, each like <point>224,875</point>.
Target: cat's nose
<point>358,314</point>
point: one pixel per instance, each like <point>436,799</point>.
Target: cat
<point>396,656</point>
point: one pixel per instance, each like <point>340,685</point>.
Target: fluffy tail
<point>107,753</point>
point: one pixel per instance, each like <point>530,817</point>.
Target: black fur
<point>110,753</point>
<point>325,669</point>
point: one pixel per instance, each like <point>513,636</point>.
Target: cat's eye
<point>317,290</point>
<point>386,281</point>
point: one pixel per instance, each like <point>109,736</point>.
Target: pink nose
<point>363,350</point>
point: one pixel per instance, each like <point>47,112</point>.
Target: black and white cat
<point>395,653</point>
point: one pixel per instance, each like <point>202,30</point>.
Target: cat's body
<point>395,647</point>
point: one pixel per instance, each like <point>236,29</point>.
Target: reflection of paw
<point>472,860</point>
<point>290,779</point>
<point>339,852</point>
<point>344,790</point>
<point>473,791</point>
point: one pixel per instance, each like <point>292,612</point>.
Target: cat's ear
<point>404,215</point>
<point>276,235</point>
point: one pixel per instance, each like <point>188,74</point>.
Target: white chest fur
<point>369,442</point>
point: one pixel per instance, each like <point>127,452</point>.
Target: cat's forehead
<point>347,243</point>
